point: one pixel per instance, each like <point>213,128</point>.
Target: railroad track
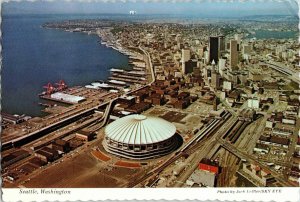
<point>188,148</point>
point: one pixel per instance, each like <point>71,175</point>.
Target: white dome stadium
<point>140,137</point>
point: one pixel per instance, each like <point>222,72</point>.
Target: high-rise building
<point>189,66</point>
<point>215,80</point>
<point>233,54</point>
<point>206,57</point>
<point>238,38</point>
<point>186,56</point>
<point>221,68</point>
<point>213,49</point>
<point>200,52</point>
<point>221,44</point>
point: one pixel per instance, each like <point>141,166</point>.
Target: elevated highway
<point>293,75</point>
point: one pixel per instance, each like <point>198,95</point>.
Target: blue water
<point>266,34</point>
<point>34,56</point>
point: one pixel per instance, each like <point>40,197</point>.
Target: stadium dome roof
<point>139,129</point>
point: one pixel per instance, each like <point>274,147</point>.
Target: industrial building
<point>61,145</point>
<point>140,137</point>
<point>13,157</point>
<point>85,135</point>
<point>258,175</point>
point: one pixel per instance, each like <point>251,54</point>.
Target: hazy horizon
<point>193,8</point>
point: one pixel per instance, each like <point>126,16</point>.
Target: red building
<point>208,165</point>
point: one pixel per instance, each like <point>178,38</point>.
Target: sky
<point>193,7</point>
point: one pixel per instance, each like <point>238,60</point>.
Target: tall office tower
<point>233,54</point>
<point>189,66</point>
<point>206,57</point>
<point>215,80</point>
<point>213,49</point>
<point>200,52</point>
<point>238,37</point>
<point>186,56</point>
<point>221,44</point>
<point>221,68</point>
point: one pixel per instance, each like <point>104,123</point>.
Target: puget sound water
<point>34,56</point>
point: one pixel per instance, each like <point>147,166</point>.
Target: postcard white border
<point>202,194</point>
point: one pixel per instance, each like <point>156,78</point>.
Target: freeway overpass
<point>48,129</point>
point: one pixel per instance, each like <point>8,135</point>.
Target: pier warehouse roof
<point>66,97</point>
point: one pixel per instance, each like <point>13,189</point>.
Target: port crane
<point>61,85</point>
<point>50,89</point>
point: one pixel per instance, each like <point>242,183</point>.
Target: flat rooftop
<point>67,97</point>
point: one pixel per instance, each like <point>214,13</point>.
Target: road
<point>293,75</point>
<point>149,64</point>
<point>210,145</point>
<point>243,155</point>
<point>207,132</point>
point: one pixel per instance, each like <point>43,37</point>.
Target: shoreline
<point>109,44</point>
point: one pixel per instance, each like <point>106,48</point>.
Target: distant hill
<point>269,18</point>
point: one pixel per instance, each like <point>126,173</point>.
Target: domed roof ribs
<point>118,131</point>
<point>136,129</point>
<point>129,132</point>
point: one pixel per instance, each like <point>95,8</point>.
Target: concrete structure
<point>189,66</point>
<point>253,103</point>
<point>186,56</point>
<point>204,178</point>
<point>14,119</point>
<point>206,173</point>
<point>238,38</point>
<point>227,85</point>
<point>61,145</point>
<point>261,148</point>
<point>233,54</point>
<point>221,44</point>
<point>140,137</point>
<point>84,135</point>
<point>215,80</point>
<point>222,63</point>
<point>260,176</point>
